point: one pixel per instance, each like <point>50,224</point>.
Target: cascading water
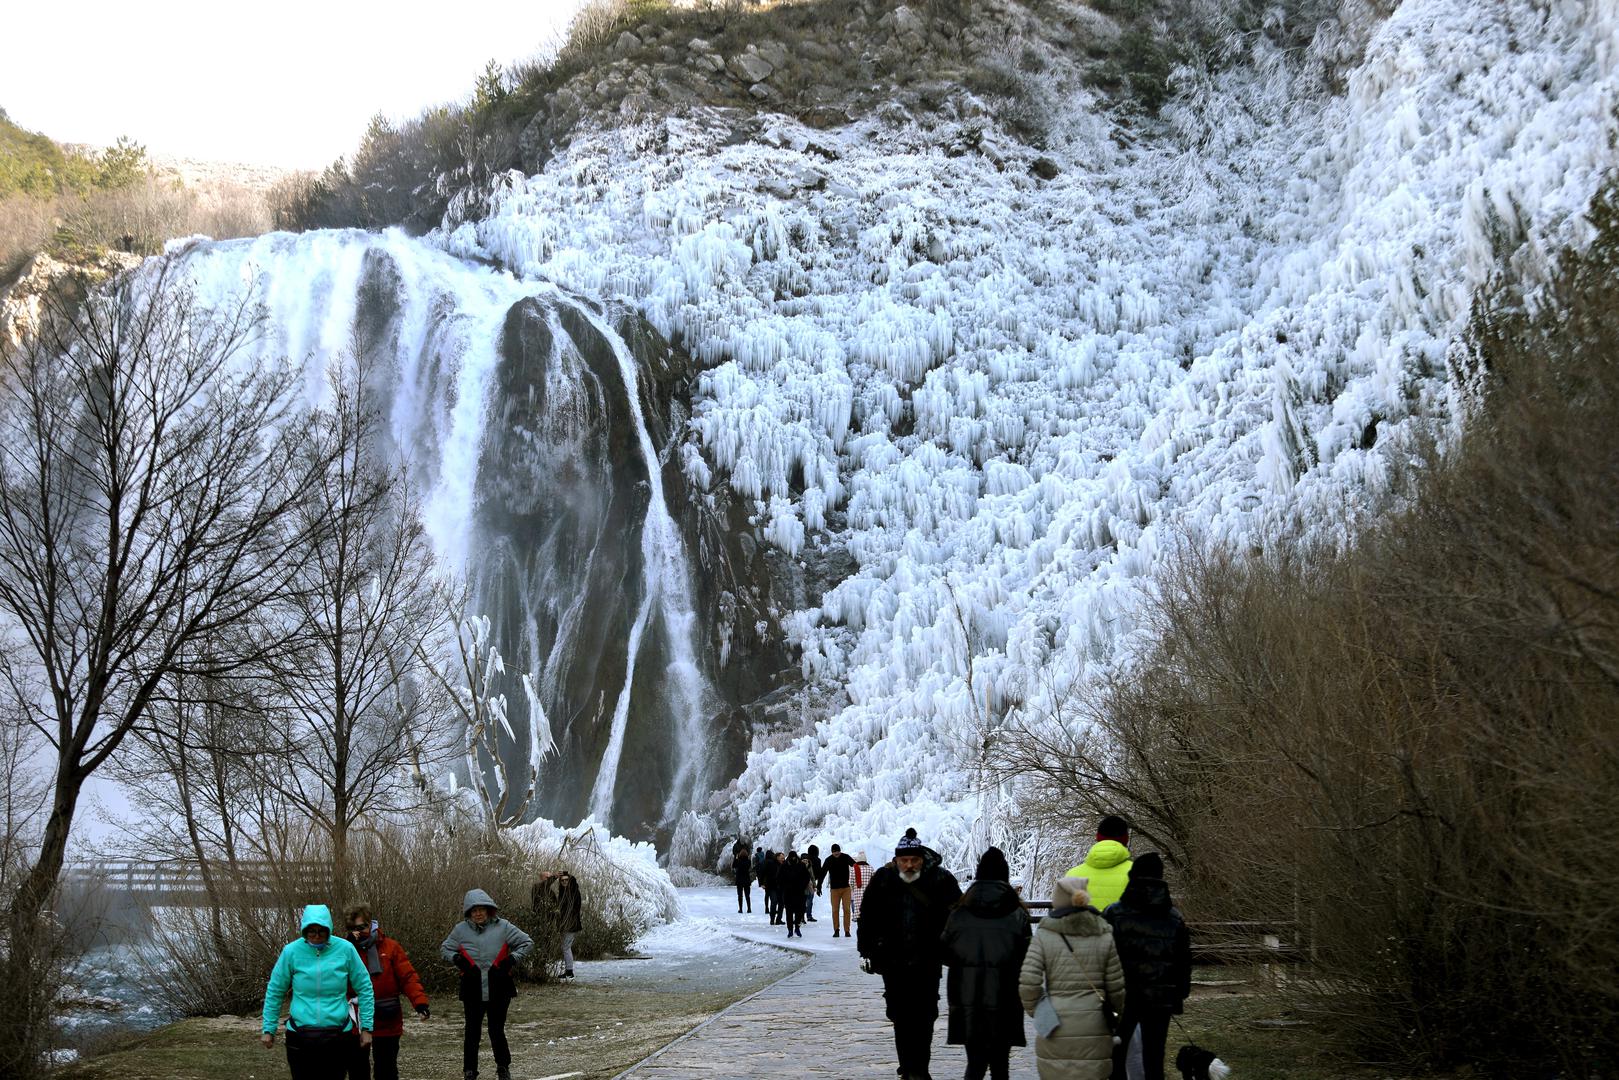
<point>519,412</point>
<point>668,591</point>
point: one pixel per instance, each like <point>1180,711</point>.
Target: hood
<point>1150,894</point>
<point>476,897</point>
<point>990,899</point>
<point>316,915</point>
<point>1106,854</point>
<point>1076,922</point>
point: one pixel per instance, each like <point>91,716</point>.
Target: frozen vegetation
<point>1008,397</point>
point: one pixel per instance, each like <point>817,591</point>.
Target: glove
<point>464,964</point>
<point>421,1011</point>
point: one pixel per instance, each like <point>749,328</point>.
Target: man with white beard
<point>902,915</point>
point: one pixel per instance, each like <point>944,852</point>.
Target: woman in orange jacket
<point>392,976</point>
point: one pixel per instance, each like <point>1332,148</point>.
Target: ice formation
<point>1006,398</point>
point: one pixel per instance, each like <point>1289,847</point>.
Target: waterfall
<point>517,411</point>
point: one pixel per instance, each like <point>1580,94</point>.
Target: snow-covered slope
<point>1006,397</point>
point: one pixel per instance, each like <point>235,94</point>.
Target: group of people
<point>791,882</point>
<point>347,993</point>
<point>1112,956</point>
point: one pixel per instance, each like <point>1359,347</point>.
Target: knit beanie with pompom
<point>1071,892</point>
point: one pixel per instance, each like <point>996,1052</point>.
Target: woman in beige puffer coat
<point>1072,958</point>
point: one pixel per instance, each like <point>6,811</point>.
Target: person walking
<point>742,868</point>
<point>812,859</point>
<point>559,897</point>
<point>767,882</point>
<point>1155,950</point>
<point>1107,864</point>
<point>835,873</point>
<point>1072,975</point>
<point>902,917</point>
<point>392,976</point>
<point>793,879</point>
<point>985,940</point>
<point>319,971</point>
<point>486,949</point>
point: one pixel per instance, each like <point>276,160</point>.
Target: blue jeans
<point>809,903</point>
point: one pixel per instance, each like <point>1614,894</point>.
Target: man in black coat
<point>1155,950</point>
<point>902,915</point>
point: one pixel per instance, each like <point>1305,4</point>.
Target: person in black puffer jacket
<point>1156,952</point>
<point>902,917</point>
<point>793,882</point>
<point>767,882</point>
<point>984,942</point>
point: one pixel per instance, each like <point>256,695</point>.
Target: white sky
<point>288,82</point>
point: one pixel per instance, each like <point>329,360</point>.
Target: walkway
<point>825,1020</point>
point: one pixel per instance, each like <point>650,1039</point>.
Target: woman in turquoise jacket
<point>319,971</point>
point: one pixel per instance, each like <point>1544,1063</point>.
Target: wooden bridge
<point>184,884</point>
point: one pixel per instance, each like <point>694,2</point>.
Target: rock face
<point>24,301</point>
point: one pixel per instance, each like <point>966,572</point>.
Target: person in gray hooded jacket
<point>486,949</point>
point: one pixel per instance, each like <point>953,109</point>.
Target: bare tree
<point>145,479</point>
<point>468,676</point>
<point>352,712</point>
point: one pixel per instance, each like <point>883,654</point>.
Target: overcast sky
<point>290,82</point>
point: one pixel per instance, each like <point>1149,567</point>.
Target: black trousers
<point>1154,1024</point>
<point>496,1012</point>
<point>744,891</point>
<point>322,1055</point>
<point>992,1058</point>
<point>384,1051</point>
<point>795,912</point>
<point>912,997</point>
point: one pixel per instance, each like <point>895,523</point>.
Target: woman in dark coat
<point>984,942</point>
<point>1156,953</point>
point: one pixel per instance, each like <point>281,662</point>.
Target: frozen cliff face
<point>1001,387</point>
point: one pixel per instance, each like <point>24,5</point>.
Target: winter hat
<point>1150,865</point>
<point>1071,892</point>
<point>908,844</point>
<point>992,866</point>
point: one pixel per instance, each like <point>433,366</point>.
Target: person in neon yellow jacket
<point>319,971</point>
<point>1107,863</point>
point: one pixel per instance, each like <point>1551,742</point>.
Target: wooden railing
<point>1224,942</point>
<point>185,884</point>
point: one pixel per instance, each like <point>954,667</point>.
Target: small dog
<point>1195,1063</point>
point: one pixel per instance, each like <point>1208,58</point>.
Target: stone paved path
<point>825,1020</point>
